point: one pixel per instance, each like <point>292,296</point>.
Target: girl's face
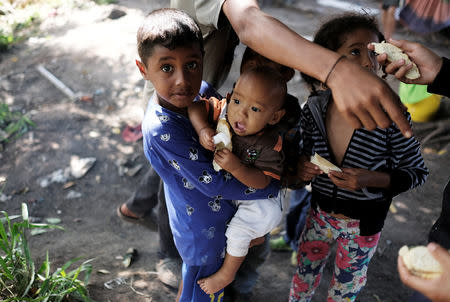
<point>355,48</point>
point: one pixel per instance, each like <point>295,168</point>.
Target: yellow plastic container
<point>421,105</point>
<point>424,110</point>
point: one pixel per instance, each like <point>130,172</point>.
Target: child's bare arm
<point>199,119</point>
<point>249,176</point>
<point>356,179</point>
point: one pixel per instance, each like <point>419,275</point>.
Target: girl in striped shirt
<point>348,207</point>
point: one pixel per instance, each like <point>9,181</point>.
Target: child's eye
<point>166,68</point>
<point>256,109</point>
<point>191,65</point>
<point>355,52</point>
<point>373,53</point>
<point>236,101</point>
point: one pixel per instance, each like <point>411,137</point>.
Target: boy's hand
<point>227,160</point>
<point>205,136</point>
<point>351,178</point>
<point>306,170</point>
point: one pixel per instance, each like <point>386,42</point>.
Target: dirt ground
<point>94,55</point>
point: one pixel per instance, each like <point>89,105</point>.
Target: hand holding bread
<point>427,62</point>
<point>222,139</point>
<point>435,286</point>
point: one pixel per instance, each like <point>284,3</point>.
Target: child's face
<point>176,74</point>
<point>355,48</point>
<point>253,105</point>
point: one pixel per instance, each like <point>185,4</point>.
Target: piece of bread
<point>222,139</point>
<point>323,164</point>
<point>419,262</point>
<point>394,54</point>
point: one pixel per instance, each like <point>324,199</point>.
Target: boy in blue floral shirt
<point>198,199</point>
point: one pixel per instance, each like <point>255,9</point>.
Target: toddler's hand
<point>306,170</point>
<point>227,160</point>
<point>206,138</point>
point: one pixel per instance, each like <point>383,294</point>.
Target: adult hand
<point>364,99</point>
<point>438,289</point>
<point>306,170</point>
<point>427,61</point>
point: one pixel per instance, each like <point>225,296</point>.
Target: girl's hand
<point>206,138</point>
<point>351,178</point>
<point>227,160</point>
<point>306,170</point>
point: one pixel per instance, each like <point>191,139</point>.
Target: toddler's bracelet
<point>332,68</point>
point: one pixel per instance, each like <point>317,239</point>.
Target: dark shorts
<point>387,3</point>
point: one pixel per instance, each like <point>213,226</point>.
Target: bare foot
<point>215,282</point>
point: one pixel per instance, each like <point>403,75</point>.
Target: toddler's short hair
<point>168,27</point>
<point>272,76</point>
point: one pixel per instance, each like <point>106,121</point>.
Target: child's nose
<point>369,62</point>
<point>243,111</point>
<point>181,77</point>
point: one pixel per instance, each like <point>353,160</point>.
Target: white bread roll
<point>394,54</point>
<point>222,139</point>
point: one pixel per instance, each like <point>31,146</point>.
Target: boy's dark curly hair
<point>332,33</point>
<point>168,27</point>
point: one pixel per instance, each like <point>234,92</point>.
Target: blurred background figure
<point>388,21</point>
<point>425,17</point>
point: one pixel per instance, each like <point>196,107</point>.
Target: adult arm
<point>438,289</point>
<point>360,95</point>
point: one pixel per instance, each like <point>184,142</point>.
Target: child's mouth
<point>239,127</point>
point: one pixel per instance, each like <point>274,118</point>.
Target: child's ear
<point>277,116</point>
<point>142,69</point>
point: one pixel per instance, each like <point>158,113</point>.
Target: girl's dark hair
<point>168,27</point>
<point>332,33</point>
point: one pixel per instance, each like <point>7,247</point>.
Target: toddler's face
<point>176,74</point>
<point>355,48</point>
<point>253,105</point>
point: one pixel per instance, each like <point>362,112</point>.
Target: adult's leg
<point>167,247</point>
<point>299,205</point>
<point>145,197</point>
<point>169,265</point>
<point>219,55</point>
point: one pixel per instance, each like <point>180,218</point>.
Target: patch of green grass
<point>13,124</point>
<point>21,280</point>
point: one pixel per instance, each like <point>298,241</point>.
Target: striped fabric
<point>426,16</point>
<point>378,150</point>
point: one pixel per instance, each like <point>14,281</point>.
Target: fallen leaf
<point>35,232</point>
<point>53,220</point>
<point>393,209</point>
<point>69,185</point>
